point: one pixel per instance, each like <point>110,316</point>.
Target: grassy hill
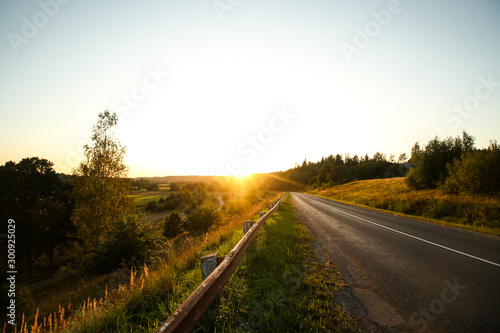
<point>480,213</point>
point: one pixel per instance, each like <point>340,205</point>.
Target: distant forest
<point>453,164</point>
<point>329,171</point>
<point>334,170</point>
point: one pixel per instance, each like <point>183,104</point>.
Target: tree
<point>252,196</point>
<point>143,183</point>
<point>130,241</point>
<point>338,160</point>
<point>101,188</point>
<point>214,187</point>
<point>402,158</point>
<point>34,196</point>
<point>174,186</point>
<point>477,172</point>
<point>173,225</point>
<point>202,218</point>
<point>324,172</point>
<point>379,157</point>
<point>431,163</point>
<point>151,206</point>
<point>173,201</point>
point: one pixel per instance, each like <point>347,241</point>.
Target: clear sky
<point>243,86</point>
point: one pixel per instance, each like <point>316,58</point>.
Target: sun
<point>243,181</point>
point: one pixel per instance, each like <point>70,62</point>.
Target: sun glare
<point>243,180</point>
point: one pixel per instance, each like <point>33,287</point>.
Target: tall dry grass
<point>480,213</point>
<point>148,296</point>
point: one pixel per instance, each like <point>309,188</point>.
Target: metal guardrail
<point>185,318</point>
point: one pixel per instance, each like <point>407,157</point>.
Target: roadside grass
<point>280,285</point>
<point>140,301</point>
<point>65,292</point>
<point>478,213</point>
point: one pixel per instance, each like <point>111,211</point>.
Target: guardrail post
<point>247,225</point>
<point>208,264</point>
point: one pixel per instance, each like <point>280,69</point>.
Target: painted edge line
<point>408,235</point>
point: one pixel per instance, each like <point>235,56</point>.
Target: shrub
<point>234,206</point>
<point>131,239</point>
<point>252,196</point>
<point>172,202</point>
<point>478,172</point>
<point>151,206</point>
<point>173,225</point>
<point>202,218</point>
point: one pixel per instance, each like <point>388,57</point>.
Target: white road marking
<point>403,233</point>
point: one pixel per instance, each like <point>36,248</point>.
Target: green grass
<point>478,213</point>
<point>280,285</point>
<point>143,198</point>
<point>142,301</point>
<point>143,307</point>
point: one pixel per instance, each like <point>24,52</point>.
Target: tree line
<point>40,201</point>
<point>456,165</point>
<point>453,164</point>
<point>334,170</point>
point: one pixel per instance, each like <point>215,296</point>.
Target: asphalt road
<point>407,274</point>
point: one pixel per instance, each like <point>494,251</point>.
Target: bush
<point>151,206</point>
<point>252,196</point>
<point>132,239</point>
<point>172,202</point>
<point>173,225</point>
<point>478,172</point>
<point>234,206</point>
<point>202,218</point>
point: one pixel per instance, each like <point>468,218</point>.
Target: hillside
<point>480,213</point>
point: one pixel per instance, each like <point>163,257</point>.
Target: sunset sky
<point>215,87</point>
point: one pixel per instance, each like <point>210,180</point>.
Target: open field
<point>141,198</point>
<point>477,213</point>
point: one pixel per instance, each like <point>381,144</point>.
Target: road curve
<point>409,275</point>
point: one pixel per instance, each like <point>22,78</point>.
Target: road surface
<point>407,274</point>
<point>221,202</point>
